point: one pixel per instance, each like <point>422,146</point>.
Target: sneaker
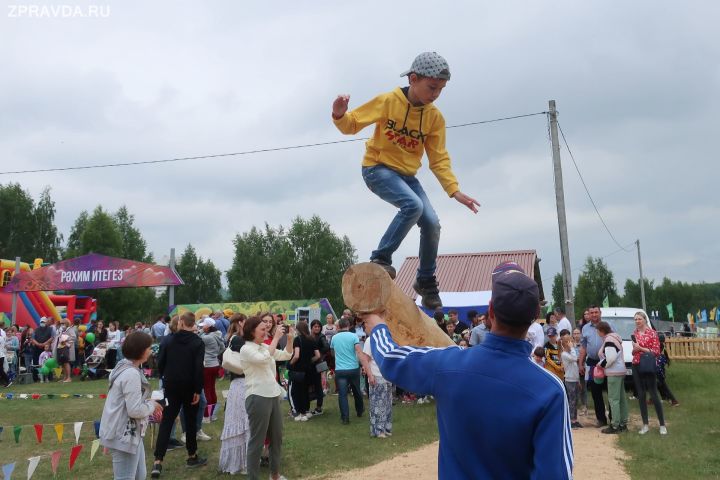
<point>360,414</point>
<point>388,434</point>
<point>386,266</point>
<point>427,288</point>
<point>264,461</point>
<point>644,430</point>
<point>576,425</point>
<point>206,420</point>
<point>301,418</point>
<point>663,430</point>
<point>675,403</point>
<point>610,429</point>
<point>346,421</point>
<point>156,470</point>
<point>203,437</point>
<point>182,438</point>
<point>316,412</point>
<point>381,435</point>
<point>174,444</point>
<point>622,427</point>
<point>195,461</point>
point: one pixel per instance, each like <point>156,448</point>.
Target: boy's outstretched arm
<point>352,122</point>
<point>466,200</point>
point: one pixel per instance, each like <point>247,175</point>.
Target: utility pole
<point>171,288</point>
<point>562,223</point>
<point>642,279</point>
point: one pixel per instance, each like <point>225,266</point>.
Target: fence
<point>697,349</point>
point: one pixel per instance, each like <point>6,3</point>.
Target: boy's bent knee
<point>412,208</point>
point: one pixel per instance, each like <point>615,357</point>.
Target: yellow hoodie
<point>401,133</point>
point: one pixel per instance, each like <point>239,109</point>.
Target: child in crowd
<point>569,360</point>
<point>44,356</point>
<point>451,333</point>
<point>407,124</point>
<point>552,353</point>
<point>539,356</point>
<point>577,337</point>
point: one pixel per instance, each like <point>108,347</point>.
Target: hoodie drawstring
<point>407,112</point>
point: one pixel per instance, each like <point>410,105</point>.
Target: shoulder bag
<point>648,363</point>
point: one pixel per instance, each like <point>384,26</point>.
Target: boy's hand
<point>469,202</point>
<point>340,106</point>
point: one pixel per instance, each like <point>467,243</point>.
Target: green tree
<point>594,284</point>
<point>201,277</point>
<point>28,229</point>
<point>113,235</point>
<point>306,261</point>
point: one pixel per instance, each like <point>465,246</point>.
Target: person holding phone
<point>263,400</point>
<point>127,408</point>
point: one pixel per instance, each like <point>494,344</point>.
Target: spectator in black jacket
<point>180,365</point>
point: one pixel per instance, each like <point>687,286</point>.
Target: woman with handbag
<point>263,395</point>
<point>646,348</point>
<point>319,373</point>
<point>236,431</point>
<point>301,369</point>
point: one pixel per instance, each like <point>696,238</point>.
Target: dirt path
<point>592,448</point>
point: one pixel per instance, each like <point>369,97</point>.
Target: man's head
<point>343,323</point>
<point>453,316</point>
<point>559,313</point>
<point>427,76</point>
<point>473,318</point>
<point>450,328</point>
<point>439,316</point>
<point>43,321</point>
<point>515,299</point>
<point>594,314</point>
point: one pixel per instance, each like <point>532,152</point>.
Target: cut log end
<point>366,288</point>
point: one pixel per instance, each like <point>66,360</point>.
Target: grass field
<point>310,449</point>
<point>690,450</point>
<point>322,445</point>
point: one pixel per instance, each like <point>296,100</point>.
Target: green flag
<point>606,302</point>
<point>670,311</point>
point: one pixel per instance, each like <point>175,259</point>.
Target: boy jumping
<point>406,123</point>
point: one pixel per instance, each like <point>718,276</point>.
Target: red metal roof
<point>467,272</point>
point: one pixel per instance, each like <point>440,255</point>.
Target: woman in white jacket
<point>263,395</point>
<point>127,408</point>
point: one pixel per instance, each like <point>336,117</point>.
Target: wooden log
<point>367,288</point>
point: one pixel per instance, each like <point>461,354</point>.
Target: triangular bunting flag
<point>32,465</point>
<point>24,396</point>
<point>94,448</point>
<point>51,396</point>
<point>59,429</point>
<point>77,426</point>
<point>16,431</point>
<point>7,470</point>
<point>55,460</point>
<point>96,423</point>
<point>74,452</point>
<point>38,431</point>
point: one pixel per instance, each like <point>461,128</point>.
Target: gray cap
<point>429,64</point>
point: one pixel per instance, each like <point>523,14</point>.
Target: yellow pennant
<point>59,429</point>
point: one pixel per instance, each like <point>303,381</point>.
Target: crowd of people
<point>69,343</point>
<point>302,365</point>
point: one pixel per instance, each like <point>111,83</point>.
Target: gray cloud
<point>636,86</point>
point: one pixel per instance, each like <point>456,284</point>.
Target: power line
<point>588,191</point>
<point>246,152</point>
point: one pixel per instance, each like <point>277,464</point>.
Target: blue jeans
<point>343,378</point>
<point>405,193</point>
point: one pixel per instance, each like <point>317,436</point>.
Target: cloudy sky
<point>636,84</point>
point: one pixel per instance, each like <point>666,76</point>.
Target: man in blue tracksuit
<point>524,430</point>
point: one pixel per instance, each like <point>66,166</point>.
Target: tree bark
<point>367,288</point>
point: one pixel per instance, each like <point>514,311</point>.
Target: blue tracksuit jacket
<point>500,415</point>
